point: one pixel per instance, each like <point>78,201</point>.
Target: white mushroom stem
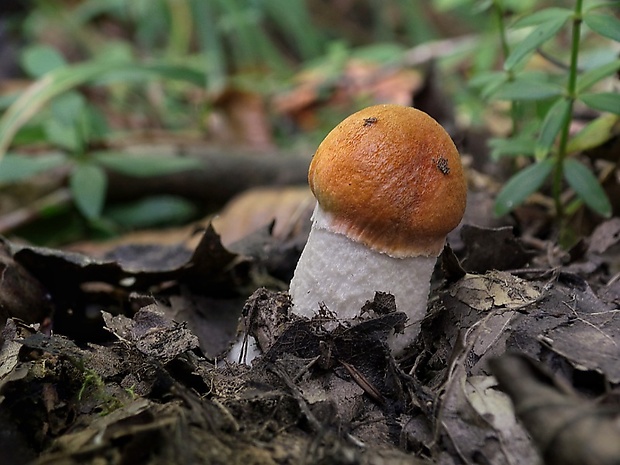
<point>344,274</point>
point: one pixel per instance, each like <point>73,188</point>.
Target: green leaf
<point>602,4</point>
<point>521,186</point>
<point>591,77</point>
<point>543,16</point>
<point>527,89</point>
<point>67,108</point>
<point>536,38</point>
<point>14,167</point>
<point>41,59</point>
<point>512,147</point>
<point>606,25</point>
<point>593,134</point>
<point>486,78</point>
<point>31,134</point>
<point>488,83</point>
<point>587,187</point>
<point>88,185</point>
<point>604,101</point>
<point>553,122</point>
<point>93,125</point>
<point>63,136</point>
<point>145,165</point>
<point>152,211</point>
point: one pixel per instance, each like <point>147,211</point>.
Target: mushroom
<point>389,187</point>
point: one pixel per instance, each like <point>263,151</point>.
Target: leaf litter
<point>131,366</point>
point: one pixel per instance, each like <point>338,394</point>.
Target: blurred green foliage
<point>544,99</point>
<point>131,49</point>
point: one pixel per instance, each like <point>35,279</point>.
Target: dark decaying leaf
<point>589,337</point>
<point>21,294</point>
<point>213,319</point>
<point>605,239</point>
<point>80,286</point>
<point>485,316</point>
<point>132,267</point>
<point>567,429</point>
<point>152,333</point>
<point>492,249</point>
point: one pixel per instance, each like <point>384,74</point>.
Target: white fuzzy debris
<point>244,350</point>
<point>345,274</point>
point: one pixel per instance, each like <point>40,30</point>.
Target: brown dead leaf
<point>591,341</point>
<point>605,245</point>
<point>480,425</point>
<point>255,208</point>
<point>358,79</point>
<point>495,289</point>
<point>240,117</point>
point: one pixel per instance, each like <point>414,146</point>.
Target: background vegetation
<point>94,78</point>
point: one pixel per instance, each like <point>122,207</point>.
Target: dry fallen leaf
<point>255,208</point>
<point>495,289</point>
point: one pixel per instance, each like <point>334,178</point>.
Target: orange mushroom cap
<point>390,177</point>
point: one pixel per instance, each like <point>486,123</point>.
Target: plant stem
<point>499,11</point>
<point>571,86</point>
<point>503,37</point>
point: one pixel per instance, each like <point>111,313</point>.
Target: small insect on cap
<point>390,177</point>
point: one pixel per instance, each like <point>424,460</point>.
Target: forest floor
<point>123,367</point>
